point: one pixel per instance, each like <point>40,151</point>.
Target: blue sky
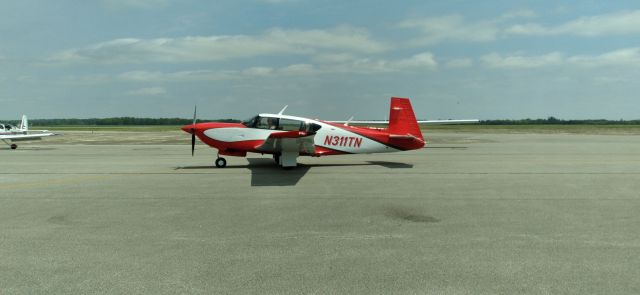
<point>325,59</point>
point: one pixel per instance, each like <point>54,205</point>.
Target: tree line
<point>555,121</point>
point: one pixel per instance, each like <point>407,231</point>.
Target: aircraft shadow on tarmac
<point>264,172</point>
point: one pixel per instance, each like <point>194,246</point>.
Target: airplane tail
<point>24,125</point>
<point>402,120</point>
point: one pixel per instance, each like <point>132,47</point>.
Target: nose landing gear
<point>221,162</point>
<point>13,146</point>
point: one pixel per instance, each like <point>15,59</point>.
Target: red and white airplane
<point>287,137</point>
<point>10,133</point>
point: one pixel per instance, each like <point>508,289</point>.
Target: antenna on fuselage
<point>282,111</point>
<point>348,121</point>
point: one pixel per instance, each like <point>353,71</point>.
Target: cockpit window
<point>283,124</point>
<point>250,122</point>
<point>267,123</point>
<point>290,125</point>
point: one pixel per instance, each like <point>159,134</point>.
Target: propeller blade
<point>195,108</point>
<point>193,142</point>
<point>193,131</point>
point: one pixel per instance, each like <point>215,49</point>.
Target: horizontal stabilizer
<point>405,136</point>
<point>425,122</point>
<point>449,122</point>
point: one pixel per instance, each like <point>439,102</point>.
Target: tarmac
<point>471,214</point>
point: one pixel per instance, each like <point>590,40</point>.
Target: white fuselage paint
<point>339,139</point>
<point>329,136</point>
<point>235,134</point>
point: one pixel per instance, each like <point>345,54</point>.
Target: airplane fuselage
<point>329,139</point>
<point>287,137</point>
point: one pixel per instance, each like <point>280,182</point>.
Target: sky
<point>325,59</point>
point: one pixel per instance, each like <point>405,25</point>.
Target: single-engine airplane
<point>287,137</point>
<point>10,133</point>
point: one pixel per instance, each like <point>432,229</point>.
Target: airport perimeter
<point>471,214</point>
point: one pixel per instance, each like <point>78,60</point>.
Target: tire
<point>221,163</point>
<point>276,157</point>
<point>14,146</point>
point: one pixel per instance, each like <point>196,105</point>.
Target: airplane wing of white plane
<point>23,137</point>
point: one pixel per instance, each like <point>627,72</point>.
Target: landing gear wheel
<point>14,146</point>
<point>221,163</point>
<point>276,157</point>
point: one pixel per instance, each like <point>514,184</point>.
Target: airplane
<point>288,137</point>
<point>10,133</point>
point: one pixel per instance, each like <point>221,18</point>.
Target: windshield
<point>250,122</point>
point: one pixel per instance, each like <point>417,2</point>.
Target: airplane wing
<point>426,122</point>
<point>24,137</point>
<point>289,141</point>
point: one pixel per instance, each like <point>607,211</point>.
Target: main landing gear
<point>221,162</point>
<point>13,146</point>
<point>286,160</point>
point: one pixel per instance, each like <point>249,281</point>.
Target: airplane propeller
<point>193,132</point>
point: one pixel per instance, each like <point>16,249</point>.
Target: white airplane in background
<point>10,133</point>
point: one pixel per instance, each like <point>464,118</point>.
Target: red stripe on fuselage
<point>325,151</point>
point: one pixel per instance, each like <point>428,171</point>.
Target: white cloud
<point>618,23</point>
<point>459,63</point>
<point>495,60</point>
<point>333,57</point>
<point>451,28</point>
<point>455,28</point>
<point>516,14</point>
<point>622,57</point>
<point>419,62</point>
<point>423,60</point>
<point>258,71</point>
<point>627,57</point>
<point>298,69</point>
<point>182,76</point>
<point>150,91</point>
<point>216,48</point>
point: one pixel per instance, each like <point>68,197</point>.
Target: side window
<point>290,125</point>
<point>267,123</point>
<point>262,123</point>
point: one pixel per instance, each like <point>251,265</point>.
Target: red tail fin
<point>402,120</point>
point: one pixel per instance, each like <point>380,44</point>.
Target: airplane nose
<point>188,128</point>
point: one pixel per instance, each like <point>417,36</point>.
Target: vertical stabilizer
<point>24,124</point>
<point>402,120</point>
